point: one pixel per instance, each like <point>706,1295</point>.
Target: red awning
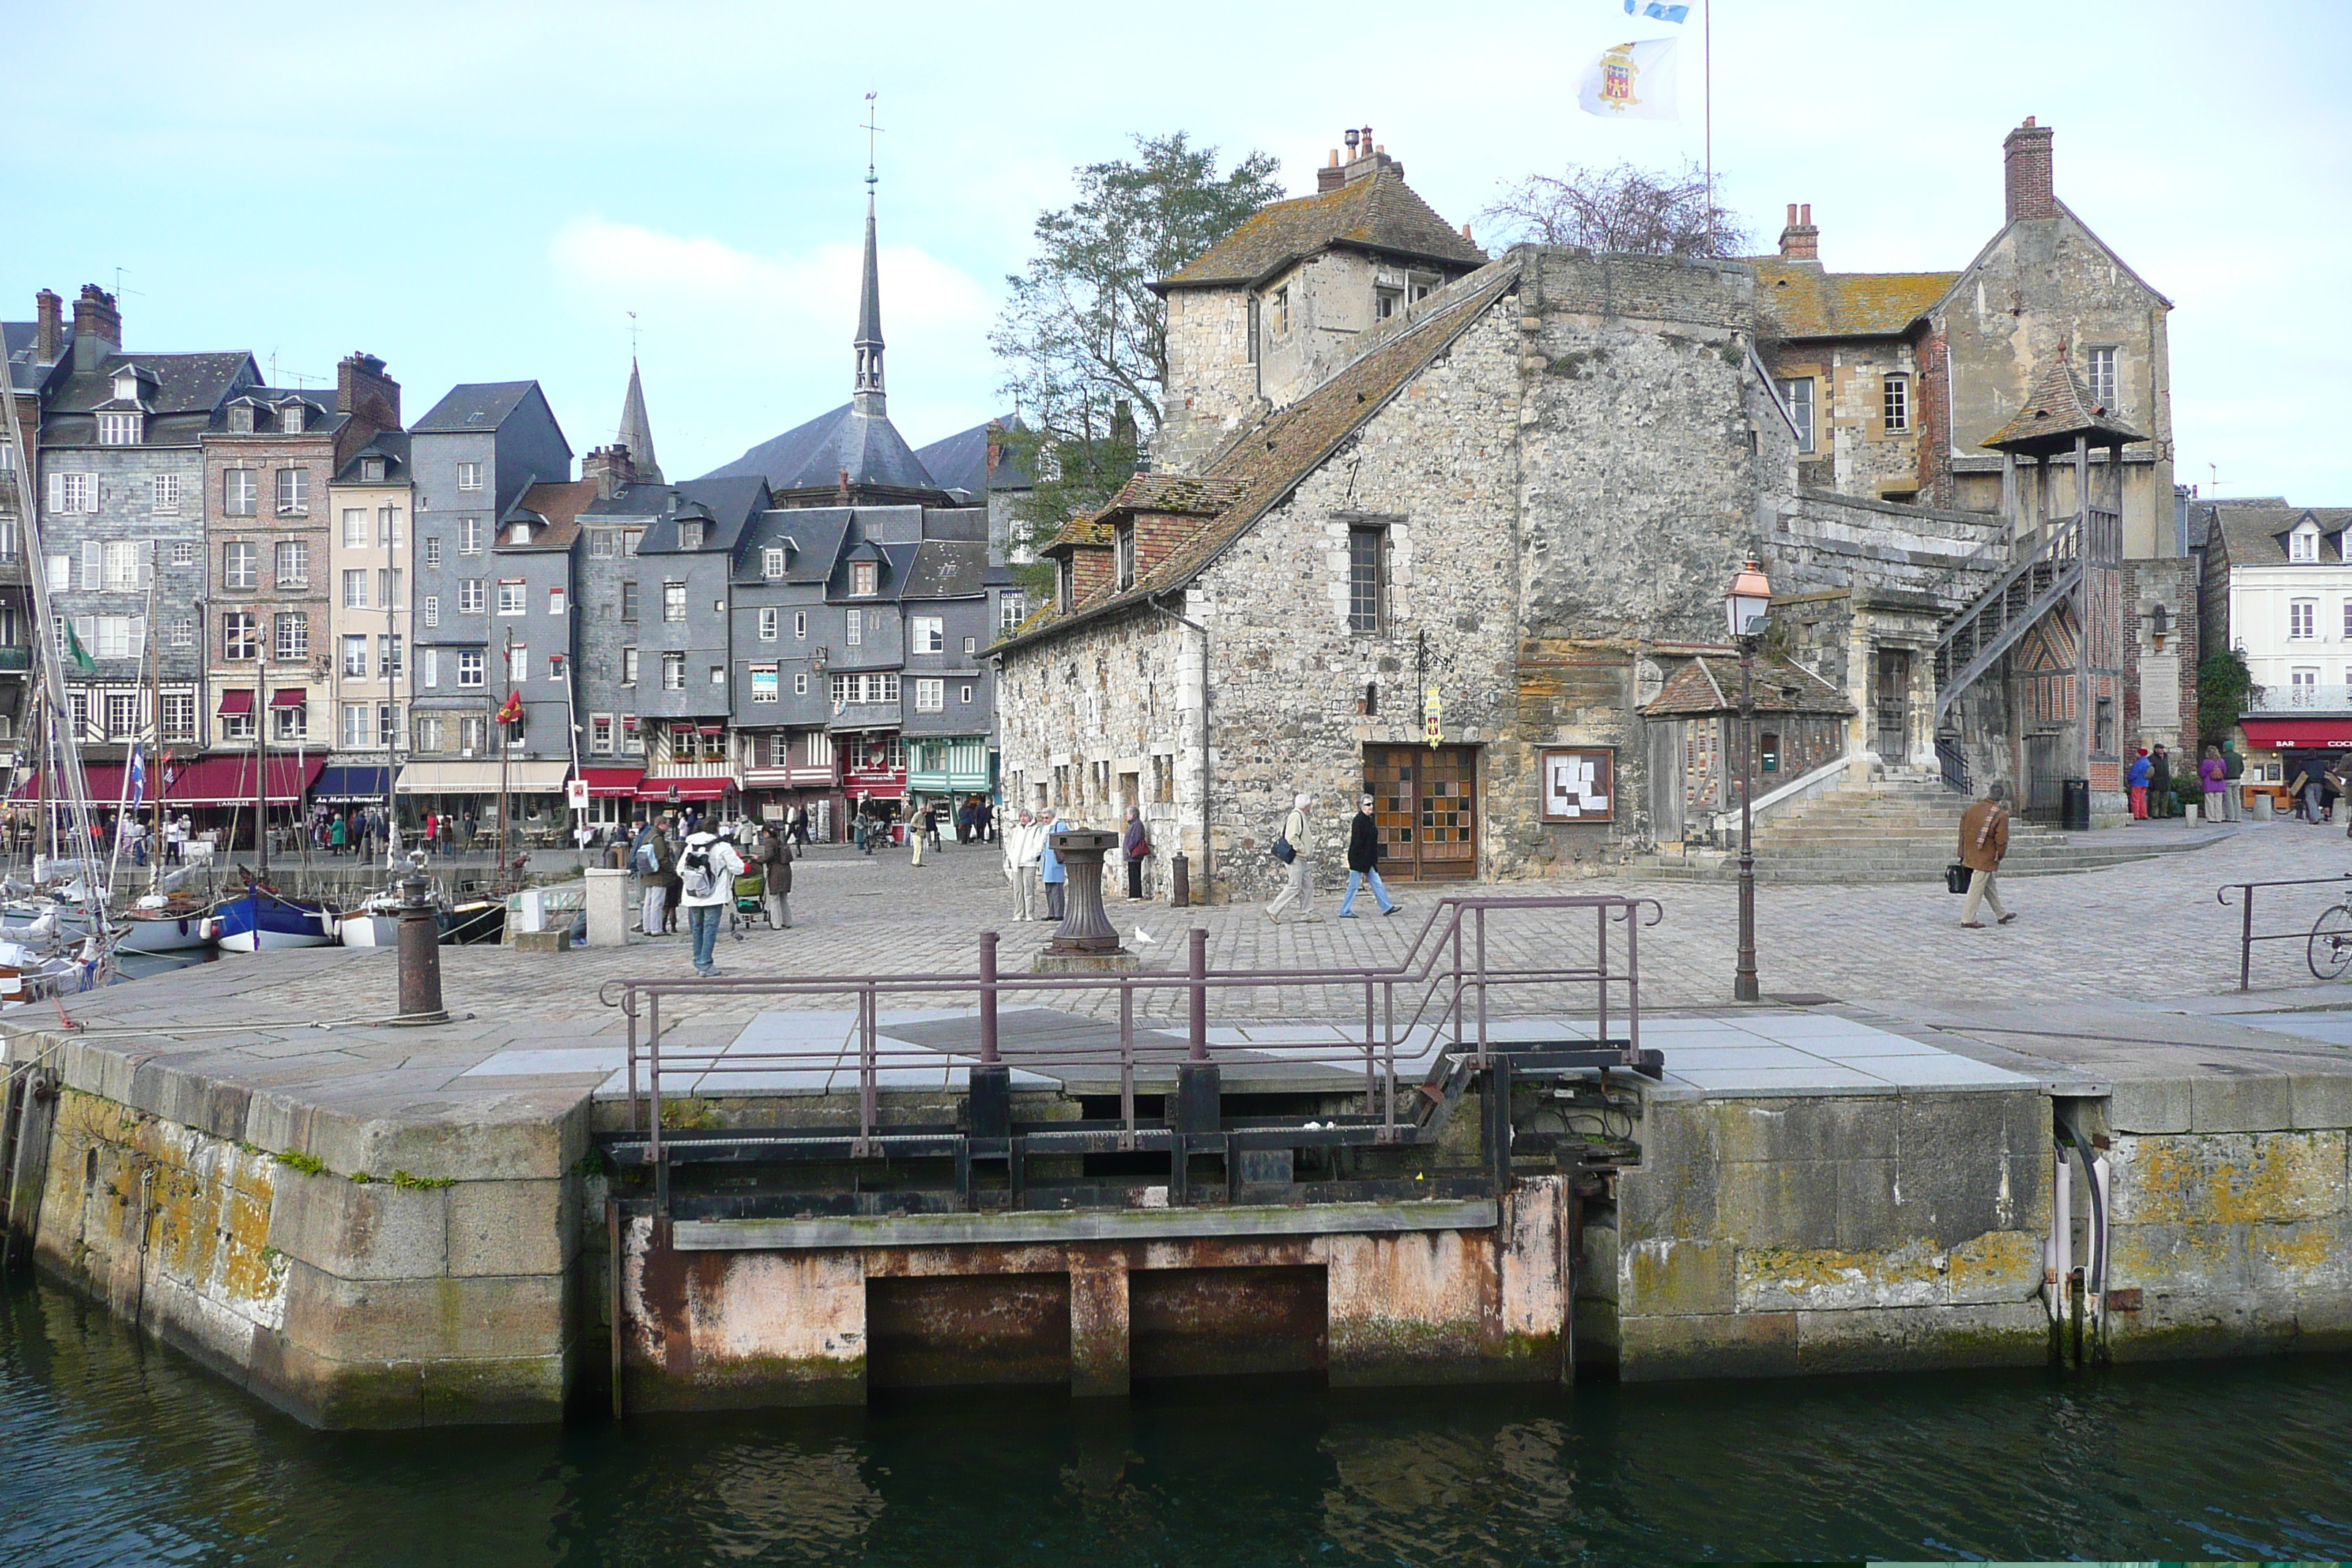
<point>2299,734</point>
<point>695,787</point>
<point>207,781</point>
<point>236,703</point>
<point>101,781</point>
<point>612,783</point>
<point>288,696</point>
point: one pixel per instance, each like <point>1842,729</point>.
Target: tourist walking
<point>1364,862</point>
<point>707,870</point>
<point>338,834</point>
<point>2209,773</point>
<point>1984,839</point>
<point>1021,851</point>
<point>1301,891</point>
<point>2136,780</point>
<point>1135,845</point>
<point>657,864</point>
<point>2233,768</point>
<point>772,853</point>
<point>1051,873</point>
<point>2160,782</point>
<point>919,833</point>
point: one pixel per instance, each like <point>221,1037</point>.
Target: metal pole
<point>2246,939</point>
<point>1200,975</point>
<point>988,996</point>
<point>1743,985</point>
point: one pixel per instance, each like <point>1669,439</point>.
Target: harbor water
<point>113,1451</point>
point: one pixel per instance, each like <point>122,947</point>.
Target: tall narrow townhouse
<point>680,588</point>
<point>609,671</point>
<point>472,457</point>
<point>372,507</point>
<point>534,647</point>
<point>125,498</point>
<point>35,355</point>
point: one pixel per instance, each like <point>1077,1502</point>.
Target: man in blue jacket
<point>1050,868</point>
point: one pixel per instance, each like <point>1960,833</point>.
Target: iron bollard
<point>420,955</point>
<point>1179,874</point>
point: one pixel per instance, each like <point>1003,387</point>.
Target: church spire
<point>636,431</point>
<point>867,393</point>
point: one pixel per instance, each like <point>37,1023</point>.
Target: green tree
<point>2225,686</point>
<point>1083,337</point>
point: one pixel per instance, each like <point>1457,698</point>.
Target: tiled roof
<point>2256,535</point>
<point>1264,464</point>
<point>1178,493</point>
<point>560,502</point>
<point>2056,410</point>
<point>1378,213</point>
<point>1798,299</point>
<point>1711,685</point>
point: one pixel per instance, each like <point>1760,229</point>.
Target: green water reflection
<point>112,1452</point>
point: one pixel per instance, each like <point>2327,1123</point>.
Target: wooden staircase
<point>2005,612</point>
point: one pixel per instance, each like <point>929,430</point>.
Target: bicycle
<point>2329,949</point>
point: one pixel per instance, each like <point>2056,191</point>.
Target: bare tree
<point>1621,208</point>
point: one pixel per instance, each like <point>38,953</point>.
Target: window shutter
<point>138,636</point>
<point>93,563</point>
<point>147,567</point>
<point>57,492</point>
<point>86,628</point>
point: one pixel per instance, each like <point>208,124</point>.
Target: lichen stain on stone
<point>1994,1266</point>
<point>2230,1178</point>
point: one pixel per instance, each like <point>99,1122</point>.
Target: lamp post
<point>1744,605</point>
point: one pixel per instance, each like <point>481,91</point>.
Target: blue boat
<point>257,919</point>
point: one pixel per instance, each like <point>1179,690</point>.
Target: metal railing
<point>1445,979</point>
<point>2333,698</point>
<point>2246,934</point>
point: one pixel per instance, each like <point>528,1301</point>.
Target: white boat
<point>368,928</point>
<point>27,976</point>
<point>163,931</point>
<point>37,918</point>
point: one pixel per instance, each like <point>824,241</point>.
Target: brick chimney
<point>612,467</point>
<point>49,336</point>
<point>995,450</point>
<point>98,327</point>
<point>362,389</point>
<point>1364,160</point>
<point>1800,241</point>
<point>1330,176</point>
<point>2025,153</point>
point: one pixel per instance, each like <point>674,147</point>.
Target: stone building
<point>2277,587</point>
<point>473,455</point>
<point>34,355</point>
<point>373,503</point>
<point>1457,571</point>
<point>1896,381</point>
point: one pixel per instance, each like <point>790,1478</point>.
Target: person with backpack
<point>1301,861</point>
<point>707,870</point>
<point>2233,768</point>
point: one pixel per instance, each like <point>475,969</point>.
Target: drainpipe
<point>1206,854</point>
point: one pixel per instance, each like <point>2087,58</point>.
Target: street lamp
<point>1744,608</point>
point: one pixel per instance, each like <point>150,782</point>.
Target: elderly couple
<point>1030,859</point>
<point>1364,862</point>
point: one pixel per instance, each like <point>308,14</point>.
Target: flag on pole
<point>138,776</point>
<point>512,712</point>
<point>75,651</point>
<point>1631,81</point>
<point>1657,10</point>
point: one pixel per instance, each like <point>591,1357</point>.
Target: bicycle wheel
<point>2331,941</point>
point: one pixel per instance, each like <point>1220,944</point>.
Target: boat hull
<point>255,923</point>
<point>471,923</point>
<point>179,934</point>
<point>369,930</point>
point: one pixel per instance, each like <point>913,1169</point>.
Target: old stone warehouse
<point>1456,531</point>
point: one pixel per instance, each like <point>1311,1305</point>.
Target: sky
<point>486,191</point>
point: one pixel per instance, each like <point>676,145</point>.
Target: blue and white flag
<point>1657,10</point>
<point>138,776</point>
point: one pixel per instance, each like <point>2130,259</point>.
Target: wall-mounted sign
<point>1428,710</point>
<point>1579,785</point>
<point>763,682</point>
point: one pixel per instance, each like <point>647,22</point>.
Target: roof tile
<point>1378,213</point>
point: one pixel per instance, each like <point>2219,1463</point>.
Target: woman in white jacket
<point>1022,843</point>
<point>707,870</point>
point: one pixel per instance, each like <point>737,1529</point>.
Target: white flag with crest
<point>1631,81</point>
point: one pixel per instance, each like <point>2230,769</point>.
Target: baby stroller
<point>751,891</point>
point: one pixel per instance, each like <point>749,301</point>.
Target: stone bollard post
<point>420,955</point>
<point>608,906</point>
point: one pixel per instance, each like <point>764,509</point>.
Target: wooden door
<point>1426,804</point>
<point>1894,705</point>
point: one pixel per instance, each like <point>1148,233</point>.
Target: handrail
<point>1435,963</point>
<point>2061,537</point>
<point>2246,937</point>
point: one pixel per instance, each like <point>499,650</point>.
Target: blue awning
<point>360,782</point>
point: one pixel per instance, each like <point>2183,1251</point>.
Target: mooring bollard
<point>420,955</point>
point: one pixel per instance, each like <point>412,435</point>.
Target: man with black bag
<point>1984,839</point>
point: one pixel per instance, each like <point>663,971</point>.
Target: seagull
<point>1142,937</point>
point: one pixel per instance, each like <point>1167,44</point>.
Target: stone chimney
<point>1800,241</point>
<point>49,336</point>
<point>2025,153</point>
<point>98,327</point>
<point>612,467</point>
<point>362,389</point>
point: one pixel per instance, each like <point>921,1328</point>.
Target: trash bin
<point>2075,805</point>
<point>2262,804</point>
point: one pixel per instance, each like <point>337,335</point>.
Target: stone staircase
<point>1904,826</point>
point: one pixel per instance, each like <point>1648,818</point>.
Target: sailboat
<point>259,917</point>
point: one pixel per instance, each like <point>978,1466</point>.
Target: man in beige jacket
<point>1984,839</point>
<point>1301,887</point>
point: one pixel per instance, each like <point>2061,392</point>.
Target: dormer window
<point>372,470</point>
<point>1062,586</point>
<point>126,387</point>
<point>689,536</point>
<point>1122,539</point>
<point>1387,302</point>
<point>290,419</point>
<point>240,419</point>
<point>518,532</point>
<point>2302,544</point>
<point>865,576</point>
<point>772,564</point>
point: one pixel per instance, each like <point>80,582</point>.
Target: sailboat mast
<point>260,758</point>
<point>156,712</point>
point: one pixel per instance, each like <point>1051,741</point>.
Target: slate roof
<point>947,569</point>
<point>16,367</point>
<point>869,446</point>
<point>813,534</point>
<point>960,462</point>
<point>729,506</point>
<point>2255,534</point>
<point>2056,410</point>
<point>1709,684</point>
<point>475,406</point>
<point>390,444</point>
<point>636,431</point>
<point>1378,213</point>
<point>1264,463</point>
<point>188,388</point>
<point>559,503</point>
<point>1798,299</point>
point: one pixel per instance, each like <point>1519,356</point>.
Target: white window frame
<point>2102,372</point>
<point>673,672</point>
<point>296,551</point>
<point>163,492</point>
<point>1796,397</point>
<point>293,492</point>
<point>470,662</point>
<point>931,694</point>
<point>355,656</point>
<point>770,622</point>
<point>118,430</point>
<point>473,595</point>
<point>432,551</point>
<point>240,551</point>
<point>600,734</point>
<point>514,598</point>
<point>240,491</point>
<point>853,628</point>
<point>927,634</point>
<point>432,609</point>
<point>1894,404</point>
<point>355,535</point>
<point>469,536</point>
<point>355,587</point>
<point>470,477</point>
<point>2302,620</point>
<point>556,601</point>
<point>771,562</point>
<point>674,602</point>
